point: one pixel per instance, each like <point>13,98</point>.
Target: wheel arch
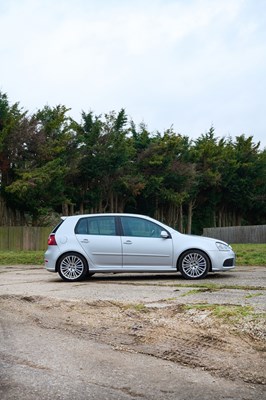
<point>193,249</point>
<point>71,252</point>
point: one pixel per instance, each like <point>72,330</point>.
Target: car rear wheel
<point>194,264</point>
<point>72,267</point>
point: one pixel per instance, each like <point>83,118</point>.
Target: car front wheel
<point>72,267</point>
<point>194,264</point>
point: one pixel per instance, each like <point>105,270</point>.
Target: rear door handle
<point>128,242</point>
<point>85,241</point>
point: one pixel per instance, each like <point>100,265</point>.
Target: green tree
<point>15,130</point>
<point>52,164</point>
<point>105,154</point>
<point>245,183</point>
<point>39,184</point>
<point>168,175</point>
<point>207,154</point>
<point>230,176</point>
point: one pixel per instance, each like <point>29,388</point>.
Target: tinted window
<point>57,226</point>
<point>96,226</point>
<point>133,226</point>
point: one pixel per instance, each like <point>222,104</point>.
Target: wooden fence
<point>238,234</point>
<point>23,237</point>
<point>35,238</point>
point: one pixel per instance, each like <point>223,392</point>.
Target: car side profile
<point>82,245</point>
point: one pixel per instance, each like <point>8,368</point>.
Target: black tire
<point>72,267</point>
<point>194,264</point>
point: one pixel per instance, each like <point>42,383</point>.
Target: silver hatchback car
<point>83,245</point>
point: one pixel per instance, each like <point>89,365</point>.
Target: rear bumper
<point>50,258</point>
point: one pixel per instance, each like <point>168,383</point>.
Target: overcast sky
<point>190,64</point>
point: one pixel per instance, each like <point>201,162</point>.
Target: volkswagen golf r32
<point>83,245</point>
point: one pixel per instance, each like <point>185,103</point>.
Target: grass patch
<point>250,295</point>
<point>199,290</point>
<point>22,257</point>
<point>247,254</point>
<point>140,307</point>
<point>212,287</point>
<point>228,313</point>
<point>250,254</point>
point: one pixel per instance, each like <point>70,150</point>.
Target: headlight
<point>223,246</point>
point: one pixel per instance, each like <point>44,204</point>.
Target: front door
<point>143,247</point>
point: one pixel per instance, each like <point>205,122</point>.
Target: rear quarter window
<point>57,226</point>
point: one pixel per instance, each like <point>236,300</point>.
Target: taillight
<point>51,240</point>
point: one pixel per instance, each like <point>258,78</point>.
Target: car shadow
<point>142,277</point>
<point>149,277</point>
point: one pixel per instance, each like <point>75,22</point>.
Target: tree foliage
<point>51,164</point>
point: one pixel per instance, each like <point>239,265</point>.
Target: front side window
<point>104,226</point>
<point>138,227</point>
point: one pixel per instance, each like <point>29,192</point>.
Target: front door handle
<point>128,242</point>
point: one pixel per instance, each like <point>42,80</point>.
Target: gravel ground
<point>132,336</point>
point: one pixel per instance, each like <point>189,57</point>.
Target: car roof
<point>77,216</point>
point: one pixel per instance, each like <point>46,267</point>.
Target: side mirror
<point>164,235</point>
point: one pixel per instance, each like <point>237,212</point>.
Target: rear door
<point>98,237</point>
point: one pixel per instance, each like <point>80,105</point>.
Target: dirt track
<point>131,336</point>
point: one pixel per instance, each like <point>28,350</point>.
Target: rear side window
<point>104,226</point>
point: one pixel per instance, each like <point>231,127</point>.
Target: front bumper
<point>223,260</point>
